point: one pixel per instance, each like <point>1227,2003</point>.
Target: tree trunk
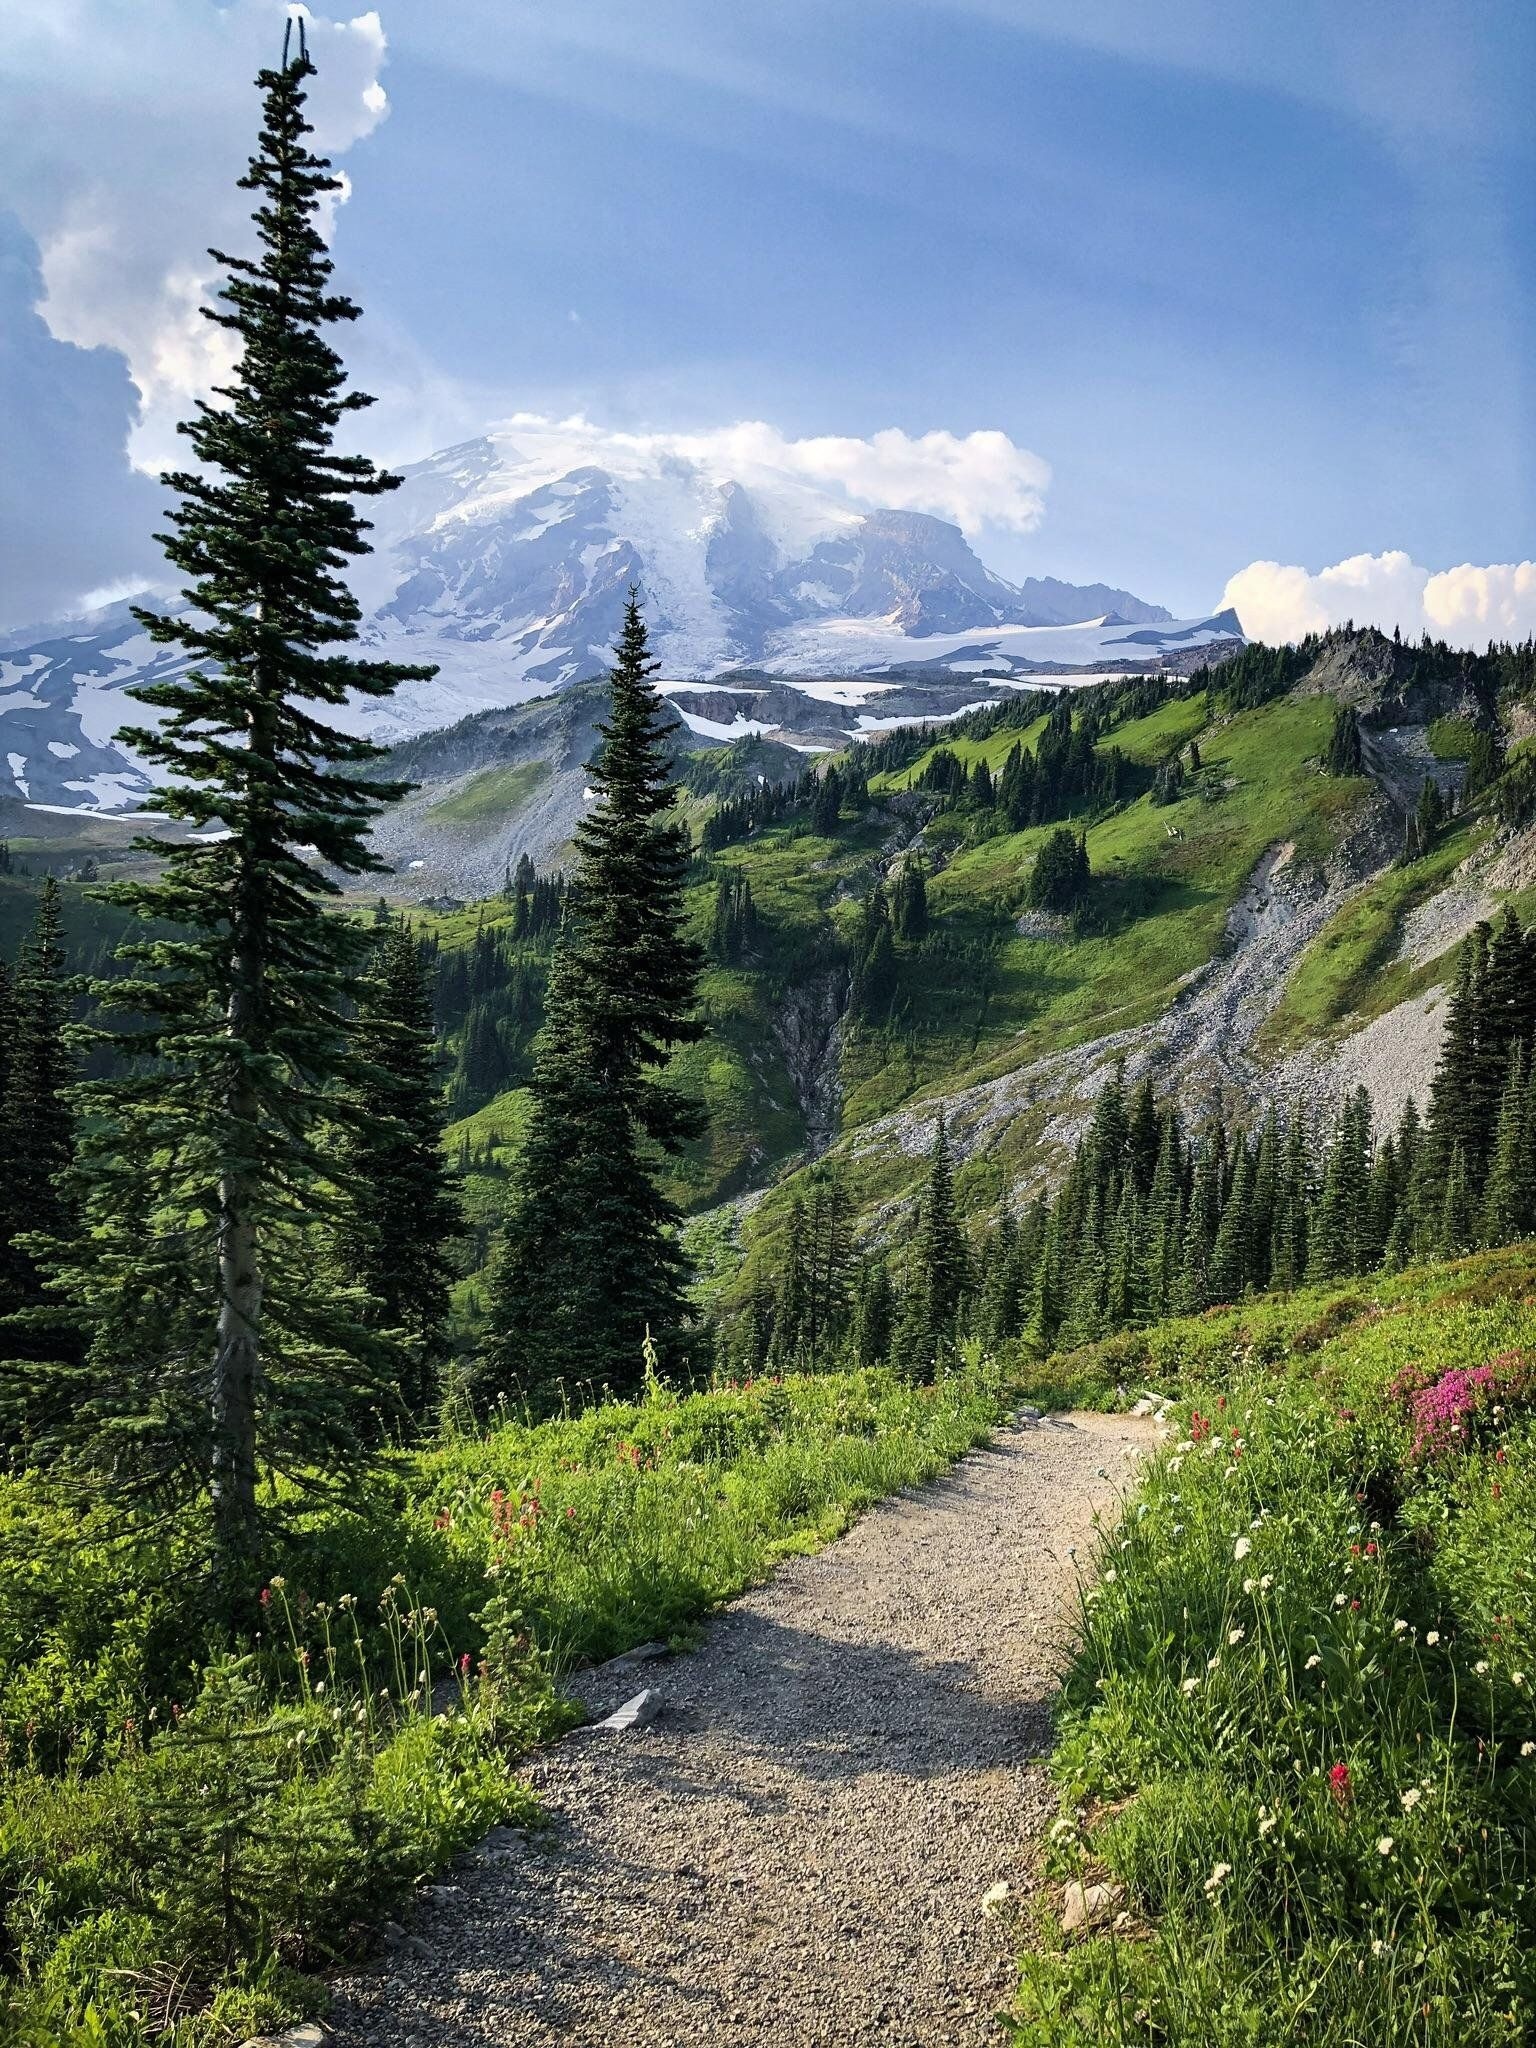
<point>236,1370</point>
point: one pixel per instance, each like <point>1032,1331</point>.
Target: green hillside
<point>1212,777</point>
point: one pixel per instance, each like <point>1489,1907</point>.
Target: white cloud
<point>138,122</point>
<point>1468,605</point>
<point>977,480</point>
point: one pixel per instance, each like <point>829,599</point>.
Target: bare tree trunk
<point>236,1366</point>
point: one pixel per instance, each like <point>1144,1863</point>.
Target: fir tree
<point>403,1215</point>
<point>1509,1200</point>
<point>874,1316</point>
<point>1345,755</point>
<point>36,1122</point>
<point>206,1143</point>
<point>590,1258</point>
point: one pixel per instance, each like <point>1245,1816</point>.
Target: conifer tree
<point>1509,1201</point>
<point>874,1316</point>
<point>941,1275</point>
<point>1345,755</point>
<point>206,1143</point>
<point>36,1121</point>
<point>590,1258</point>
<point>403,1215</point>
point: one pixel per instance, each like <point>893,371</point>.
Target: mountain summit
<point>506,561</point>
<point>497,541</point>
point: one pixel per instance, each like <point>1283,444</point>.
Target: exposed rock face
<point>808,1026</point>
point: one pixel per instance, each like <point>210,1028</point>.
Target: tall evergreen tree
<point>206,1144</point>
<point>590,1258</point>
<point>36,1121</point>
<point>1509,1200</point>
<point>403,1215</point>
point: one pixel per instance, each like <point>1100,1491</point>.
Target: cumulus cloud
<point>977,480</point>
<point>1467,605</point>
<point>139,120</point>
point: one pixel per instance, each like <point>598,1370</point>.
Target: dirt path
<point>796,1851</point>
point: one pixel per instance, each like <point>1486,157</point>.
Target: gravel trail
<point>796,1851</point>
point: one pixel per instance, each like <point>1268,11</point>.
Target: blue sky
<point>1258,283</point>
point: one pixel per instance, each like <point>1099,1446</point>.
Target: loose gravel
<point>796,1850</point>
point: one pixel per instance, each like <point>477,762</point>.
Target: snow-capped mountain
<point>508,564</point>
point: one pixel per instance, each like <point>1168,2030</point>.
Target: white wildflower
<point>1190,1685</point>
<point>1266,1823</point>
<point>1241,1548</point>
<point>1340,1599</point>
<point>1411,1798</point>
<point>1432,1636</point>
<point>1399,1628</point>
<point>1481,1667</point>
<point>1384,1845</point>
<point>1312,1662</point>
<point>1235,1636</point>
<point>996,1896</point>
<point>1218,1878</point>
<point>1528,1749</point>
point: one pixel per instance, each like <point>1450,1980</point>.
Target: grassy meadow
<point>189,1835</point>
<point>1297,1741</point>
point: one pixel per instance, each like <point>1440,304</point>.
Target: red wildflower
<point>464,1665</point>
<point>266,1596</point>
<point>1221,1400</point>
<point>1340,1784</point>
<point>1370,1550</point>
<point>1497,1490</point>
<point>1354,1606</point>
<point>1199,1427</point>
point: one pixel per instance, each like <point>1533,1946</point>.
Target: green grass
<point>493,793</point>
<point>1298,1728</point>
<point>1450,739</point>
<point>1348,974</point>
<point>322,1774</point>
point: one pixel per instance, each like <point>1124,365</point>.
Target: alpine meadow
<point>758,1286</point>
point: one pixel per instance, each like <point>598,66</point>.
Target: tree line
<point>1153,1218</point>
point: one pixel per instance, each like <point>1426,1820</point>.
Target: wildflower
<point>1217,1879</point>
<point>1384,1845</point>
<point>1378,1947</point>
<point>1213,1663</point>
<point>1266,1582</point>
<point>1178,1528</point>
<point>1354,1606</point>
<point>1063,1824</point>
<point>1432,1636</point>
<point>266,1596</point>
<point>1190,1685</point>
<point>1399,1628</point>
<point>278,1584</point>
<point>1481,1667</point>
<point>1341,1599</point>
<point>1312,1662</point>
<point>1235,1636</point>
<point>1241,1548</point>
<point>319,1688</point>
<point>1528,1749</point>
<point>996,1897</point>
<point>1370,1550</point>
<point>1517,1678</point>
<point>1109,1576</point>
<point>1266,1823</point>
<point>1250,1585</point>
<point>1411,1798</point>
<point>1340,1784</point>
<point>464,1665</point>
